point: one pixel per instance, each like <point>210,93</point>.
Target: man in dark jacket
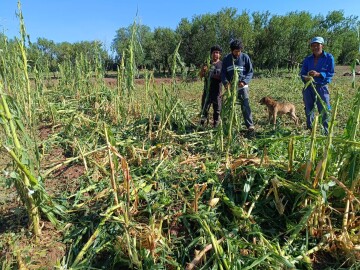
<point>237,60</point>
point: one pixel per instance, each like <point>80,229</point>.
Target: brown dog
<point>276,108</point>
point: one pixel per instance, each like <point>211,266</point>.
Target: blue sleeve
<point>249,70</point>
<point>329,71</point>
<point>304,69</point>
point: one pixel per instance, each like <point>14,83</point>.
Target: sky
<point>90,20</point>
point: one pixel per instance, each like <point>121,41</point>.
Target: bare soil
<point>17,240</point>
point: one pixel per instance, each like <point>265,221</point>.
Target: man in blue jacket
<point>319,67</point>
<point>242,63</point>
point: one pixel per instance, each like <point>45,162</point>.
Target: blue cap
<point>317,40</point>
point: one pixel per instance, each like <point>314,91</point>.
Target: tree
<point>204,36</point>
<point>166,41</point>
<point>300,26</point>
<point>225,26</point>
<point>42,54</point>
<point>274,49</point>
<point>185,33</point>
<point>332,26</point>
<point>142,46</point>
<point>260,22</point>
<point>121,41</point>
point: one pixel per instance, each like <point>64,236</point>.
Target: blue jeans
<point>243,98</point>
<point>310,98</point>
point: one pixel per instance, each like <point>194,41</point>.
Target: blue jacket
<point>242,64</point>
<point>325,66</point>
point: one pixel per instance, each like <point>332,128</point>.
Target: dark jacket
<point>215,80</point>
<point>242,64</point>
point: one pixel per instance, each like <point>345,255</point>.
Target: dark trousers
<point>310,99</point>
<point>206,102</point>
<point>243,98</point>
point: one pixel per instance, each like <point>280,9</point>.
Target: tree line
<point>272,41</point>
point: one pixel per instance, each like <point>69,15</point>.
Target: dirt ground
<point>158,81</point>
<point>14,234</point>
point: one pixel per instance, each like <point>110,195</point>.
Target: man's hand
<point>203,71</point>
<point>314,73</point>
<point>241,84</point>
